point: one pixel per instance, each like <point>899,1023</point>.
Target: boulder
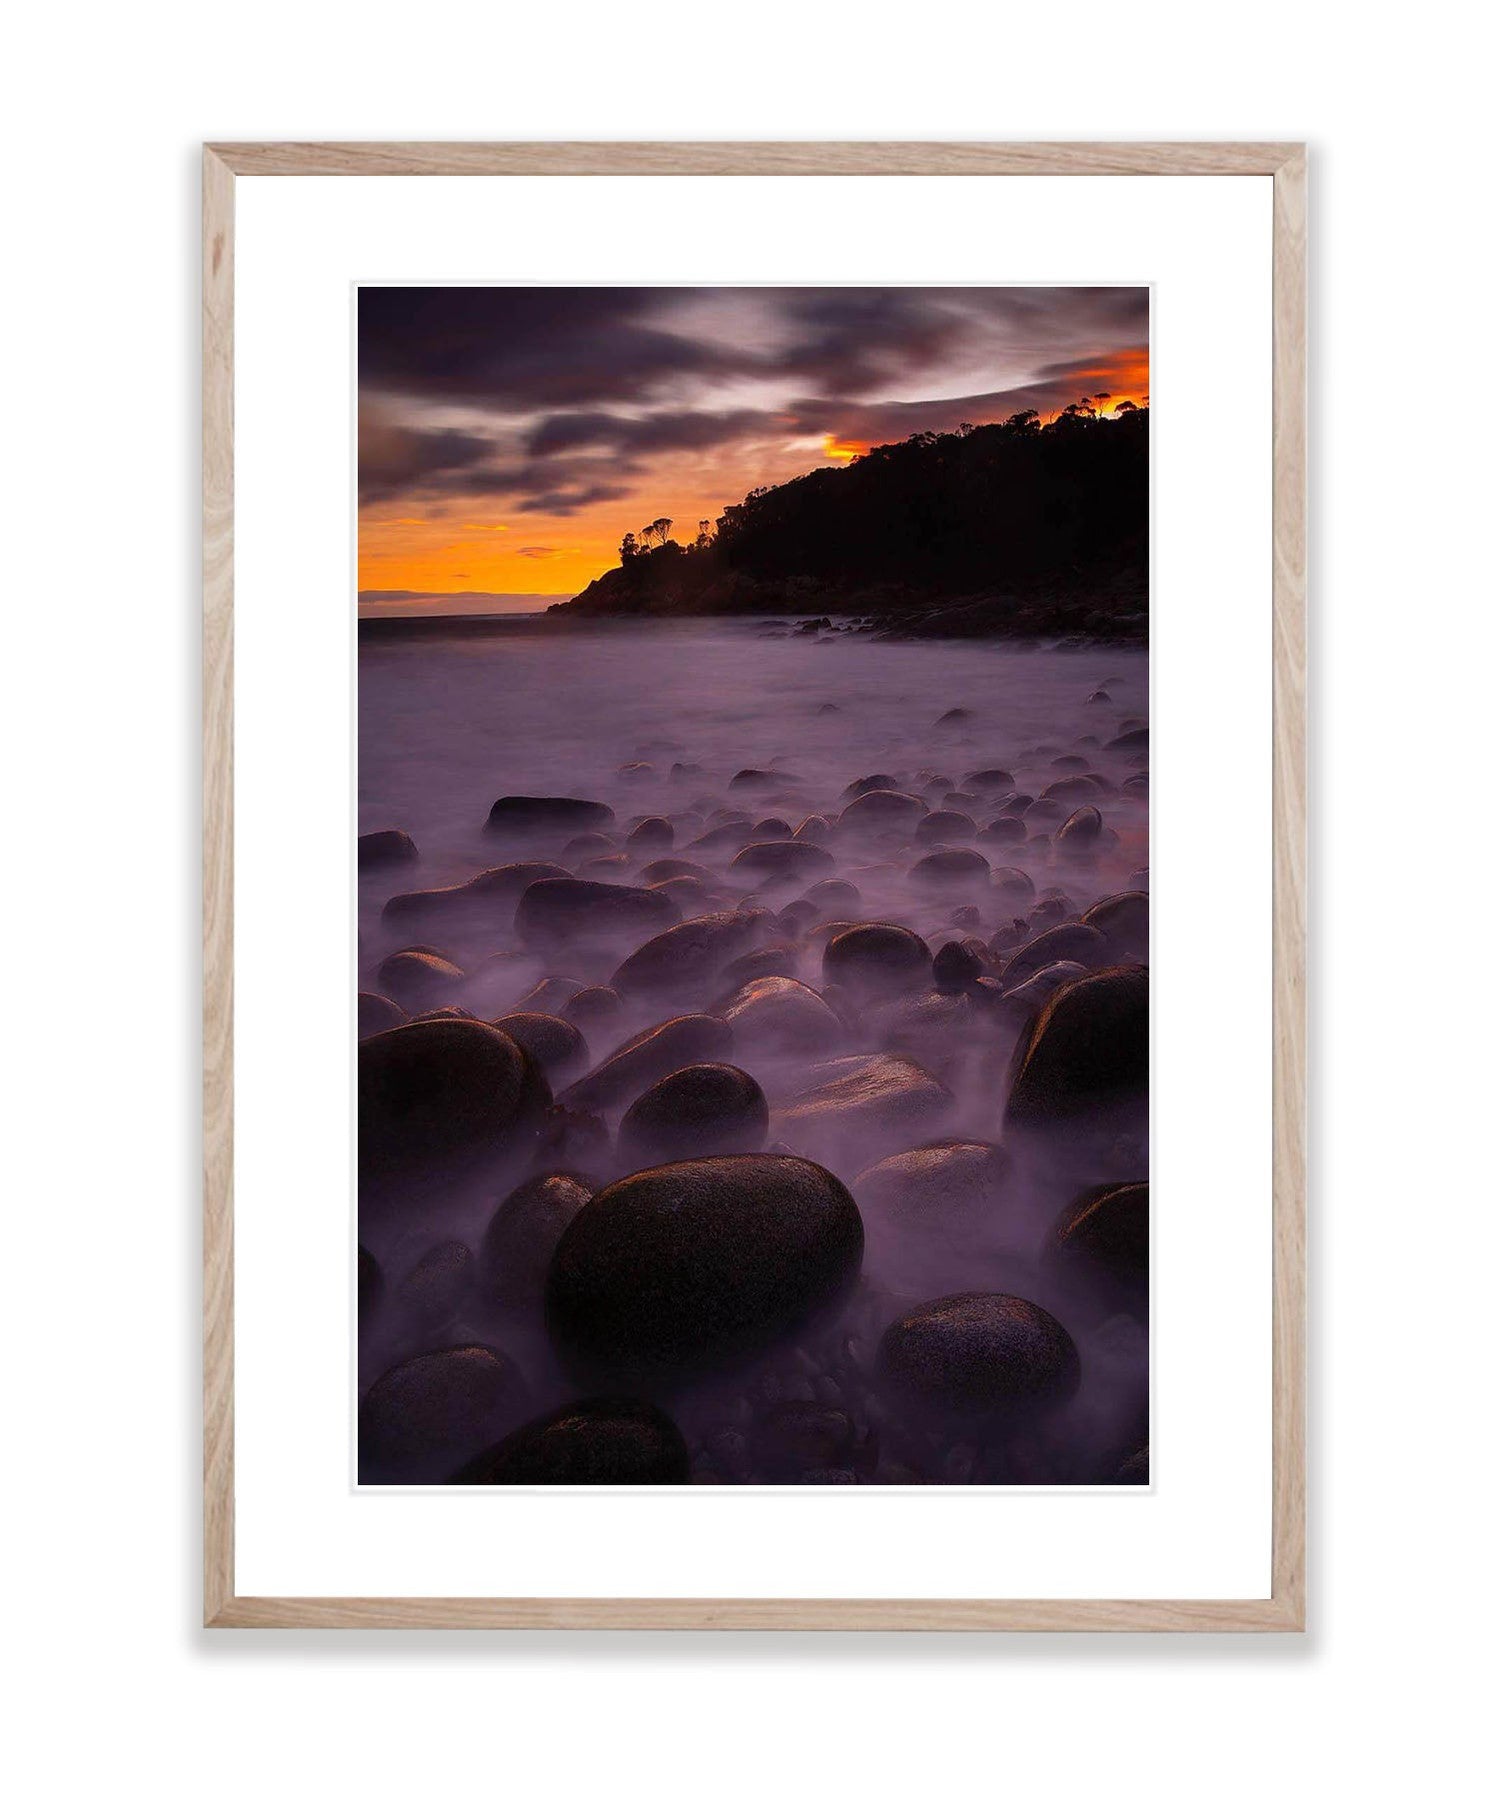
<point>1081,832</point>
<point>1013,886</point>
<point>377,1013</point>
<point>525,815</point>
<point>488,899</point>
<point>956,966</point>
<point>988,1353</point>
<point>882,810</point>
<point>445,1098</point>
<point>955,1189</point>
<point>869,784</point>
<point>877,960</point>
<point>424,1418</point>
<point>522,1236</point>
<point>568,911</point>
<point>591,1442</point>
<point>788,859</point>
<point>1005,831</point>
<point>659,1050</point>
<point>833,898</point>
<point>1103,1239</point>
<point>1062,943</point>
<point>685,962</point>
<point>385,849</point>
<point>778,1016</point>
<point>555,1045</point>
<point>859,1103</point>
<point>651,834</point>
<point>945,827</point>
<point>592,1006</point>
<point>947,869</point>
<point>1124,920</point>
<point>417,979</point>
<point>699,1265</point>
<point>705,1109</point>
<point>434,1289</point>
<point>990,780</point>
<point>1088,1051</point>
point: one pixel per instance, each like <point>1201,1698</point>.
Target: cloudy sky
<point>509,437</point>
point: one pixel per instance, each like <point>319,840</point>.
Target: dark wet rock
<point>1005,831</point>
<point>936,1028</point>
<point>793,919</point>
<point>1124,919</point>
<point>442,1012</point>
<point>659,1050</point>
<point>945,827</point>
<point>981,1353</point>
<point>870,784</point>
<point>522,1236</point>
<point>684,962</point>
<point>990,781</point>
<point>417,979</point>
<point>955,1188</point>
<point>1008,937</point>
<point>423,1419</point>
<point>1103,1237</point>
<point>757,964</point>
<point>385,849</point>
<point>788,860</point>
<point>1022,1001</point>
<point>956,715</point>
<point>833,897</point>
<point>698,1265</point>
<point>685,771</point>
<point>814,828</point>
<point>721,837</point>
<point>652,834</point>
<point>691,896</point>
<point>966,918</point>
<point>1070,764</point>
<point>550,994</point>
<point>770,830</point>
<point>1081,833</point>
<point>591,1442</point>
<point>671,868</point>
<point>526,815</point>
<point>635,771</point>
<point>433,1292</point>
<point>777,1016</point>
<point>1012,886</point>
<point>597,912</point>
<point>1049,910</point>
<point>1088,1051</point>
<point>371,1284</point>
<point>588,844</point>
<point>450,1098</point>
<point>956,966</point>
<point>1071,791</point>
<point>865,1102</point>
<point>556,1046</point>
<point>882,811</point>
<point>877,959</point>
<point>486,900</point>
<point>751,779</point>
<point>377,1013</point>
<point>951,868</point>
<point>592,1006</point>
<point>802,1436</point>
<point>707,1109</point>
<point>1100,698</point>
<point>1138,739</point>
<point>1062,943</point>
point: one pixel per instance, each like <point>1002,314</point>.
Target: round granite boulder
<point>377,1013</point>
<point>706,1109</point>
<point>449,1097</point>
<point>783,859</point>
<point>949,869</point>
<point>956,966</point>
<point>882,810</point>
<point>592,1442</point>
<point>1062,943</point>
<point>658,1050</point>
<point>980,1353</point>
<point>385,849</point>
<point>1124,919</point>
<point>684,962</point>
<point>552,913</point>
<point>1087,1051</point>
<point>526,815</point>
<point>1103,1237</point>
<point>522,1236</point>
<point>1081,833</point>
<point>555,1045</point>
<point>877,960</point>
<point>423,1419</point>
<point>699,1265</point>
<point>778,1016</point>
<point>418,979</point>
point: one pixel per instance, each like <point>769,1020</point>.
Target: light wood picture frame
<point>224,1605</point>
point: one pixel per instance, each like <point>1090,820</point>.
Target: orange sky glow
<point>526,484</point>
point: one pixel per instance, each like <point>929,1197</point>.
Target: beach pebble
<point>882,810</point>
<point>775,1015</point>
<point>377,1013</point>
<point>982,1353</point>
<point>684,962</point>
<point>522,1236</point>
<point>385,849</point>
<point>557,1046</point>
<point>877,959</point>
<point>947,869</point>
<point>523,815</point>
<point>658,1050</point>
<point>553,912</point>
<point>424,1418</point>
<point>1087,1052</point>
<point>419,979</point>
<point>956,966</point>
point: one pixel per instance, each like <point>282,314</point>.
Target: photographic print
<point>753,874</point>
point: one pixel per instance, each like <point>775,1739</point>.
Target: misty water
<point>739,731</point>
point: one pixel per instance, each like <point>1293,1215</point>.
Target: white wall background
<point>112,1680</point>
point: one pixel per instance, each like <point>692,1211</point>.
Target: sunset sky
<point>509,437</point>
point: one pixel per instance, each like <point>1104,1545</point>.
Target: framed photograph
<point>754,886</point>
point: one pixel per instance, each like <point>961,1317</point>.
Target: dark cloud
<point>654,431</point>
<point>396,460</point>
